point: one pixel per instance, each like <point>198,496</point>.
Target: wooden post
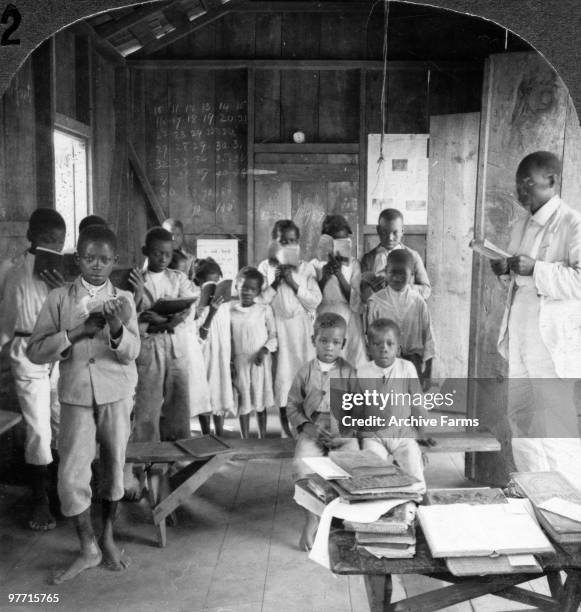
<point>44,111</point>
<point>250,254</point>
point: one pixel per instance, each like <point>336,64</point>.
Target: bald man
<point>541,329</point>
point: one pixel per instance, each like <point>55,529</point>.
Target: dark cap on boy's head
<point>390,214</point>
<point>43,220</point>
<point>91,220</point>
<point>383,325</point>
<point>400,257</point>
<point>96,233</point>
<point>329,320</point>
<point>156,234</point>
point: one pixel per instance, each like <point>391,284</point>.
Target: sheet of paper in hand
<point>289,255</point>
<point>343,247</point>
<point>325,247</point>
<point>488,249</point>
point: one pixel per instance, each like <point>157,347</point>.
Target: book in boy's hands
<point>488,249</point>
<point>343,247</point>
<point>289,255</point>
<point>120,278</point>
<point>166,307</point>
<point>47,260</point>
<point>210,290</point>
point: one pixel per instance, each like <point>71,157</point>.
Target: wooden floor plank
<point>240,572</point>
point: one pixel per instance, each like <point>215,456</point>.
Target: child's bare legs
<point>219,425</point>
<point>205,423</point>
<point>41,518</point>
<point>309,530</point>
<point>113,558</point>
<point>90,555</point>
<point>244,426</point>
<point>261,418</point>
<point>285,431</point>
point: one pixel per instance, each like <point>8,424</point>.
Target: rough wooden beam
<point>101,45</point>
<point>143,33</point>
<point>150,196</point>
<point>109,29</point>
<point>291,64</point>
<point>185,30</point>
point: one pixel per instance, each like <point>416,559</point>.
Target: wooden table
<point>347,559</point>
<point>195,474</point>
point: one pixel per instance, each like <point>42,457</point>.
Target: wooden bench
<point>346,559</point>
<point>195,474</point>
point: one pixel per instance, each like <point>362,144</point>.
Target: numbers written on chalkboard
<point>11,17</point>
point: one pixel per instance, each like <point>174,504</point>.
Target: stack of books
<point>392,536</point>
<point>557,504</point>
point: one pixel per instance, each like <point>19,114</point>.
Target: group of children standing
<point>289,329</point>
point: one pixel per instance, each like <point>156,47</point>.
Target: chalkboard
<point>196,124</point>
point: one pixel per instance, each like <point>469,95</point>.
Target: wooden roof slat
<point>143,33</point>
<point>176,16</point>
<point>137,16</point>
<point>185,30</point>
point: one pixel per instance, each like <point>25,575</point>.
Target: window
<point>71,189</point>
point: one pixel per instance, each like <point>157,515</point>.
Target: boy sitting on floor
<point>90,327</point>
<point>388,374</point>
<point>309,410</point>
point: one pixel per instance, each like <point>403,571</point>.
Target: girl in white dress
<point>253,340</point>
<point>214,329</point>
<point>294,294</point>
<point>340,280</point>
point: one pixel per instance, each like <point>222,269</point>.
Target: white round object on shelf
<point>299,137</point>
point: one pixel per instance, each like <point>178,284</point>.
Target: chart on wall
<point>224,251</point>
<point>400,179</point>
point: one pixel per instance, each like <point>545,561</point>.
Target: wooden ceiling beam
<point>185,30</point>
<point>111,28</point>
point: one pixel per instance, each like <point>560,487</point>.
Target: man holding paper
<point>540,334</point>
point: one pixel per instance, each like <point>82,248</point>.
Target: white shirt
<point>533,235</point>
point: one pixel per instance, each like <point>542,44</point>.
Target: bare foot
<point>114,558</point>
<point>41,518</point>
<point>85,560</point>
<point>134,488</point>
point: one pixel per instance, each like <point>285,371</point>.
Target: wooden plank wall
<point>324,104</point>
<point>526,107</point>
<point>92,90</point>
<point>451,206</point>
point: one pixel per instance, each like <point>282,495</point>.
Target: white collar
<point>546,211</point>
<point>326,367</point>
<point>92,290</point>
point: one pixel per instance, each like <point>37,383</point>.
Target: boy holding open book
<point>172,383</point>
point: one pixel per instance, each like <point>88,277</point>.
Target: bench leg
<point>555,584</point>
<point>378,589</point>
<point>154,494</point>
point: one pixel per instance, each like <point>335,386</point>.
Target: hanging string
<point>384,90</point>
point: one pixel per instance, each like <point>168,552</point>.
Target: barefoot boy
<point>90,327</point>
<point>387,373</point>
<point>309,410</point>
<point>35,384</point>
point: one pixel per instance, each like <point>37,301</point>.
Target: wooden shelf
<point>307,147</point>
